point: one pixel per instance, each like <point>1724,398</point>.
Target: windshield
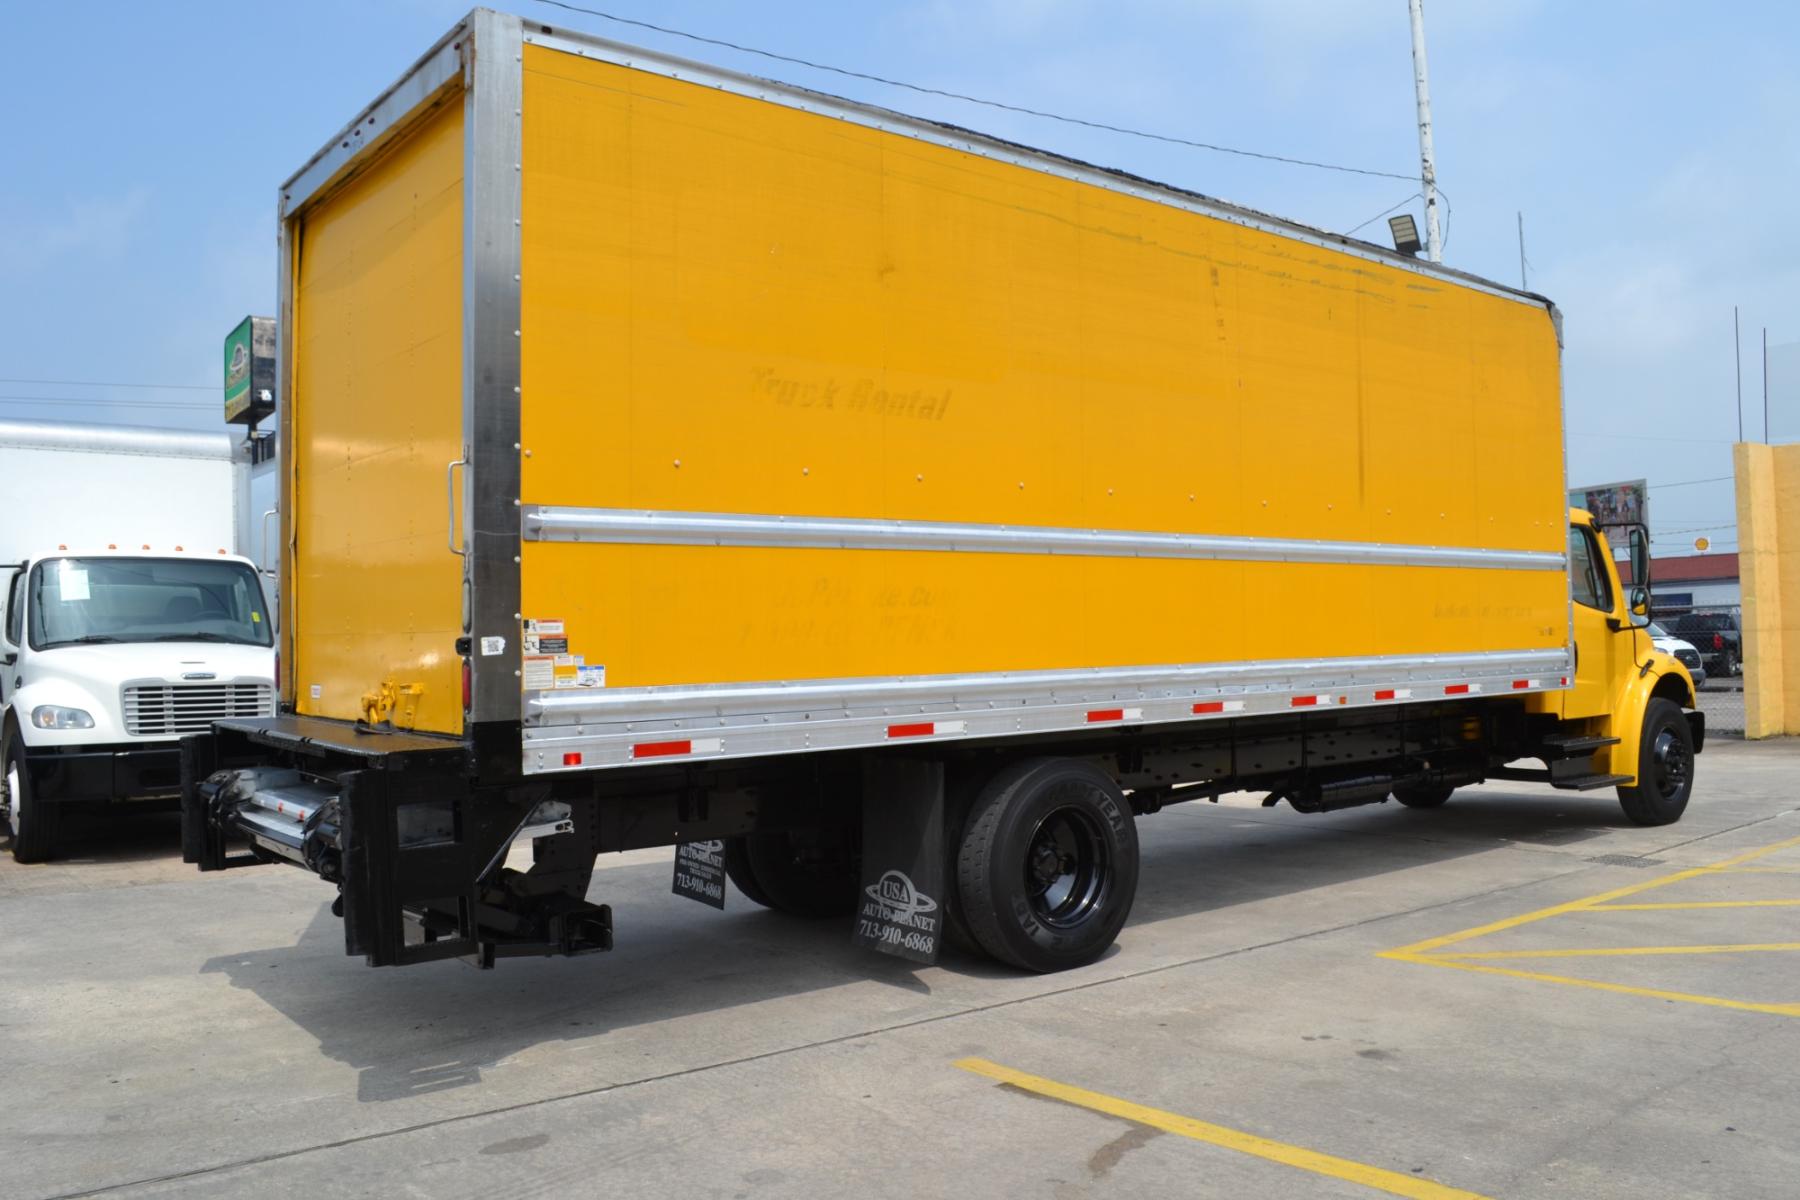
<point>1657,631</point>
<point>83,601</point>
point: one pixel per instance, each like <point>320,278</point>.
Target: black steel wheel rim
<point>1067,867</point>
<point>1673,763</point>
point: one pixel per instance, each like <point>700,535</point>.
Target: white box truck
<point>130,617</point>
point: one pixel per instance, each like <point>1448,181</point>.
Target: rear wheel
<point>1423,795</point>
<point>807,873</point>
<point>737,868</point>
<point>1048,864</point>
<point>1665,773</point>
<point>33,823</point>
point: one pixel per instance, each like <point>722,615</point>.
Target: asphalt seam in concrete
<point>584,1093</point>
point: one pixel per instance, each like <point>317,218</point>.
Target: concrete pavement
<point>167,1033</point>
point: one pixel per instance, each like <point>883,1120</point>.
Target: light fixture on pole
<point>1406,233</point>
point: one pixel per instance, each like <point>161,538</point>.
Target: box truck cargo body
<point>129,617</point>
<point>682,457</point>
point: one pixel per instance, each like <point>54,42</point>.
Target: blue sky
<point>1652,147</point>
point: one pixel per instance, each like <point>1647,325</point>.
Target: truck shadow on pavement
<point>438,1027</point>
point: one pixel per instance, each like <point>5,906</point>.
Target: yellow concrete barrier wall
<point>1768,518</point>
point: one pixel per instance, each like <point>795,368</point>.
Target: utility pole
<point>1434,245</point>
<point>1523,286</point>
<point>1737,342</point>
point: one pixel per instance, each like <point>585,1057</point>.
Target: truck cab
<point>107,657</point>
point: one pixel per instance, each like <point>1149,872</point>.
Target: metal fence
<point>1722,700</point>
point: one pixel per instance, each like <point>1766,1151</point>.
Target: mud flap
<point>900,907</point>
<point>700,871</point>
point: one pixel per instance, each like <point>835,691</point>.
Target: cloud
<point>97,227</point>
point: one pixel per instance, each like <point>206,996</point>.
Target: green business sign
<point>250,371</point>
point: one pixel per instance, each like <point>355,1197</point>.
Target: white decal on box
<point>493,645</point>
<point>553,628</point>
<point>316,691</point>
<point>591,677</point>
<point>539,672</point>
<point>568,670</point>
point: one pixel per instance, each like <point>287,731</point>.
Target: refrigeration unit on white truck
<point>130,616</point>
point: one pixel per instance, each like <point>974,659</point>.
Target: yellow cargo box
<point>885,515</point>
<point>724,418</point>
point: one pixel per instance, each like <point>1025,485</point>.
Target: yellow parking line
<point>1748,948</point>
<point>1691,904</point>
<point>1782,1010</point>
<point>1585,903</point>
<point>1756,870</point>
<point>1391,1182</point>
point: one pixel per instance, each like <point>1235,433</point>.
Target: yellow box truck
<point>882,514</point>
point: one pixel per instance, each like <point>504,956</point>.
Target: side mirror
<point>1638,605</point>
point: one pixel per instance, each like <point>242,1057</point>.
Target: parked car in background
<point>1684,651</point>
<point>1717,637</point>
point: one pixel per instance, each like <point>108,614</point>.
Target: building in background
<point>1692,581</point>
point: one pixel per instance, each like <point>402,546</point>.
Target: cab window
<point>14,609</point>
<point>1587,574</point>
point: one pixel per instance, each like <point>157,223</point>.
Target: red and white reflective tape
<point>912,729</point>
<point>1099,716</point>
<point>1218,706</point>
<point>1321,700</point>
<point>1461,689</point>
<point>1394,694</point>
<point>1520,685</point>
<point>672,749</point>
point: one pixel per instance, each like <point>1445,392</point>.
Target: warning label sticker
<point>547,664</point>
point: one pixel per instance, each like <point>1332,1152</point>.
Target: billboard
<point>1614,503</point>
<point>250,371</point>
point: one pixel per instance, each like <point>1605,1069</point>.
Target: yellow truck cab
<point>886,517</point>
<point>1625,691</point>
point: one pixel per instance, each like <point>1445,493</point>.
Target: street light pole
<point>1434,246</point>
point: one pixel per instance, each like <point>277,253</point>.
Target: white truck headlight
<point>55,716</point>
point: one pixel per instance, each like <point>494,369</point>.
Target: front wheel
<point>1047,866</point>
<point>1665,772</point>
<point>33,823</point>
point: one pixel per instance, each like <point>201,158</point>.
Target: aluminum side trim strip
<point>583,731</point>
<point>1096,683</point>
<point>547,523</point>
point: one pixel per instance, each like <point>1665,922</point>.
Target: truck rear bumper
<point>104,772</point>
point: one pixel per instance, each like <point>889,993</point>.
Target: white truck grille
<point>171,708</point>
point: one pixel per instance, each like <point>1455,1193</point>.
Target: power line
<point>1384,212</point>
<point>170,387</point>
<point>1645,437</point>
<point>1692,482</point>
<point>999,104</point>
<point>123,404</point>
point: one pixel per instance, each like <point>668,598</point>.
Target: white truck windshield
<point>82,601</point>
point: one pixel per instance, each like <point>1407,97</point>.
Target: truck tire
<point>33,824</point>
<point>1665,769</point>
<point>1423,795</point>
<point>1047,866</point>
<point>806,873</point>
<point>737,869</point>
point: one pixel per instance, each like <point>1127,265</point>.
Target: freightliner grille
<point>1689,659</point>
<point>170,708</point>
